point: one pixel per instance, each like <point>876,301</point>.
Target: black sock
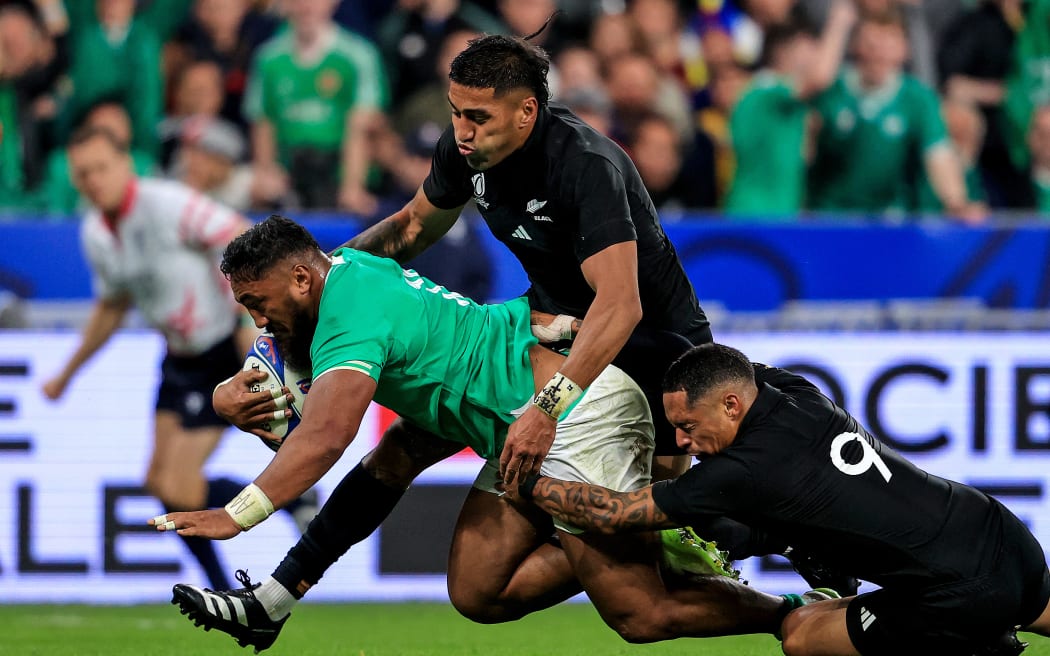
<point>204,551</point>
<point>356,508</point>
<point>221,491</point>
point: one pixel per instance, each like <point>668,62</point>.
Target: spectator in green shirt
<point>1039,155</point>
<point>769,123</point>
<point>315,98</point>
<point>118,57</point>
<point>879,128</point>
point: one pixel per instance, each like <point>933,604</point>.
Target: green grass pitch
<point>351,630</point>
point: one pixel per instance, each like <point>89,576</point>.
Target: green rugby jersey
<point>768,128</point>
<point>308,102</point>
<point>440,360</point>
<point>873,144</point>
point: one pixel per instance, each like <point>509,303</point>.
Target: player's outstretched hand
<point>215,524</point>
<point>55,388</point>
<point>235,402</point>
<point>529,439</point>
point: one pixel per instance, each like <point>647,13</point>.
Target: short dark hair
<point>87,133</point>
<point>503,63</point>
<point>252,254</point>
<point>781,34</point>
<point>706,367</point>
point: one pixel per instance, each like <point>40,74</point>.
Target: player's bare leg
<point>818,629</point>
<point>621,576</point>
<point>501,565</point>
<point>175,475</point>
<point>666,468</point>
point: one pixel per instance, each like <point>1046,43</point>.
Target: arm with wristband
<point>615,311</point>
<point>331,417</point>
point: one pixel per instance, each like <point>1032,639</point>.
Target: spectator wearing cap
<point>197,90</point>
<point>57,194</point>
<point>210,159</point>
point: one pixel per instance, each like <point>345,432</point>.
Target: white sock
<point>275,598</point>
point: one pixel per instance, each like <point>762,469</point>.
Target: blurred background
<point>859,190</point>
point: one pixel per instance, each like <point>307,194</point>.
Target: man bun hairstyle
<point>504,63</point>
<point>257,250</point>
<point>707,367</point>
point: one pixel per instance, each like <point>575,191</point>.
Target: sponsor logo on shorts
<point>521,234</point>
<point>867,618</point>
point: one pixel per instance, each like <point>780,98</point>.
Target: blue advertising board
<point>744,267</point>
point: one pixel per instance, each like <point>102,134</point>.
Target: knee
<point>794,641</point>
<point>480,608</point>
<point>639,627</point>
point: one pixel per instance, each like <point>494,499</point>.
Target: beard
<point>294,344</point>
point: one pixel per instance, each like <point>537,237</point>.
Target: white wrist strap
<point>559,329</point>
<point>250,507</point>
<point>557,395</point>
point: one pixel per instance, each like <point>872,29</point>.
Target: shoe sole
<point>188,607</point>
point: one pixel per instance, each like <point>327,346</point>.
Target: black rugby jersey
<point>566,194</point>
<point>805,470</point>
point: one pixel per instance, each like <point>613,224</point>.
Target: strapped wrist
<point>557,396</point>
<point>250,507</point>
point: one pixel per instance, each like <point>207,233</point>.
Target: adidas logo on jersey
<point>534,205</point>
<point>867,618</point>
<point>521,234</point>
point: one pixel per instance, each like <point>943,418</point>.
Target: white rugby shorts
<point>607,440</point>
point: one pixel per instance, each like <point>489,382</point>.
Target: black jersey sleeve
<point>448,184</point>
<point>598,189</point>
<point>716,487</point>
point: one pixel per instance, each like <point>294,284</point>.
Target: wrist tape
<point>250,507</point>
<point>557,395</point>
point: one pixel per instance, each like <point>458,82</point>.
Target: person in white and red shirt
<point>155,245</point>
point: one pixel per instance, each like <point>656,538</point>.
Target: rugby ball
<point>264,356</point>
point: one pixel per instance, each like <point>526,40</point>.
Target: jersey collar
<point>534,143</point>
<point>767,399</point>
<point>130,194</point>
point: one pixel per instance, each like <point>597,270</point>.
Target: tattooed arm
<point>599,509</point>
<point>407,232</point>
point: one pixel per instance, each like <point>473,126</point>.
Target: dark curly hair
<point>706,367</point>
<point>252,254</point>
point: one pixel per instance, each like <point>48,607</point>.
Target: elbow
<point>632,310</point>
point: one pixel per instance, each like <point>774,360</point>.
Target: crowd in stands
<point>762,109</point>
